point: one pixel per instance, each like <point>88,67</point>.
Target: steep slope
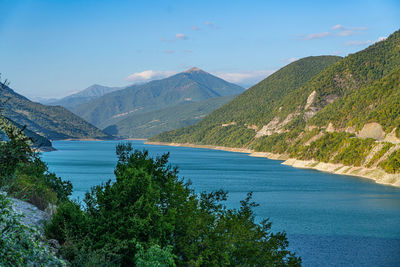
<point>48,121</point>
<point>192,85</point>
<point>38,142</point>
<point>346,116</point>
<point>252,109</point>
<point>154,122</point>
<point>92,92</point>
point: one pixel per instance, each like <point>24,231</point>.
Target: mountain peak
<point>194,69</point>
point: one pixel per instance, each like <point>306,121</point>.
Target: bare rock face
<point>372,130</point>
<point>310,99</point>
<point>31,215</point>
<point>330,128</point>
<point>276,126</point>
<point>391,137</point>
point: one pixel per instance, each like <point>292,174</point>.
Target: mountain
<point>192,85</point>
<point>344,112</point>
<point>151,123</point>
<point>38,142</point>
<point>84,96</point>
<point>52,122</point>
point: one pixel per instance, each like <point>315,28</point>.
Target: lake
<point>331,220</point>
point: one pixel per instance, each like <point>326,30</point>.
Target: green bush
<point>392,163</point>
<point>150,215</point>
<point>23,174</point>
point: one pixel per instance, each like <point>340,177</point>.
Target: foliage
<point>379,102</point>
<point>154,122</point>
<point>24,175</point>
<point>154,256</point>
<point>392,163</point>
<point>21,245</point>
<point>350,92</point>
<point>257,105</point>
<point>150,215</point>
<point>379,154</point>
<point>48,121</point>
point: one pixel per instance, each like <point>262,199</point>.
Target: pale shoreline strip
<point>378,175</point>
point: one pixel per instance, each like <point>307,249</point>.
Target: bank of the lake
<point>331,220</point>
<point>375,174</point>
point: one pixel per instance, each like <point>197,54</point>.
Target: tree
<point>150,213</point>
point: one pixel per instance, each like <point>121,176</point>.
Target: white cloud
<point>246,78</point>
<point>358,43</point>
<point>149,75</point>
<point>346,33</point>
<point>168,51</point>
<point>382,38</point>
<point>343,31</point>
<point>316,35</point>
<point>289,60</point>
<point>337,27</point>
<point>195,28</point>
<point>187,51</point>
<point>181,36</point>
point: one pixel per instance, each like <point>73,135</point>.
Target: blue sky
<point>54,48</point>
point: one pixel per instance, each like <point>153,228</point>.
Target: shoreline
<point>79,139</point>
<point>377,175</point>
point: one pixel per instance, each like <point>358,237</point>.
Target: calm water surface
<point>331,220</point>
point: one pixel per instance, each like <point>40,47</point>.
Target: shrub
<point>24,175</point>
<point>21,245</point>
<point>149,214</point>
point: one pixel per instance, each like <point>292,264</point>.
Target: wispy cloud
<point>346,33</point>
<point>367,42</point>
<point>338,27</point>
<point>313,36</point>
<point>343,31</point>
<point>181,36</point>
<point>337,30</point>
<point>168,51</point>
<point>289,60</point>
<point>149,75</point>
<point>178,36</point>
<point>211,25</point>
<point>195,28</point>
<point>244,78</point>
<point>187,51</point>
<point>358,43</point>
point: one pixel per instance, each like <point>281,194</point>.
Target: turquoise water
<point>331,220</point>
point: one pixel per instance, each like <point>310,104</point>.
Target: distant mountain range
<point>92,92</point>
<point>52,122</point>
<point>344,112</point>
<point>191,86</point>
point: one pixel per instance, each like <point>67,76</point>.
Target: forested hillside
<point>347,112</point>
<point>53,122</point>
<point>154,122</point>
<point>192,85</point>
